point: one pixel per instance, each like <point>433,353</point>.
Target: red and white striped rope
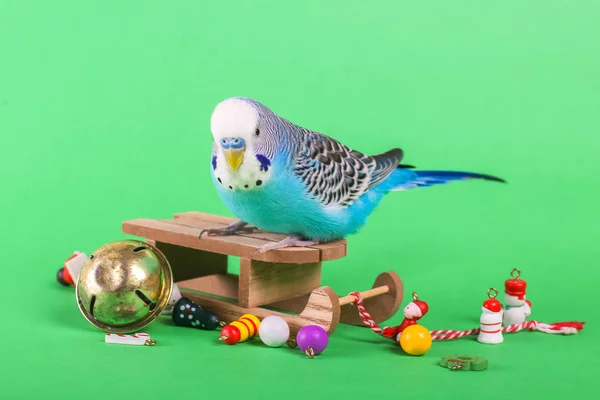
<point>565,328</point>
<point>366,317</point>
<point>449,334</point>
<point>364,314</point>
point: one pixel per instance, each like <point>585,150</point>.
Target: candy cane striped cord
<point>366,317</point>
<point>449,334</point>
<point>565,328</point>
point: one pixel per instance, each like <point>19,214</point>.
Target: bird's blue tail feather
<point>410,179</point>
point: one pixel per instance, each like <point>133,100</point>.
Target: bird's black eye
<point>223,141</point>
<point>257,132</point>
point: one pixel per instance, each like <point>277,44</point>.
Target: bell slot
<point>92,302</point>
<point>146,300</point>
<point>139,248</point>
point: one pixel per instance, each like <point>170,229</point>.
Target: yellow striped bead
<point>255,324</point>
<point>244,329</point>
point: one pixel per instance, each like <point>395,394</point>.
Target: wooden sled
<point>284,282</point>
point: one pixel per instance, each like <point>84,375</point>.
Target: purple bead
<point>312,336</point>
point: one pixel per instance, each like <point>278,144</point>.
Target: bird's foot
<point>231,229</point>
<point>290,241</point>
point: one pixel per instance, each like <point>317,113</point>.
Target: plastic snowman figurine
<point>414,311</point>
<point>490,330</point>
<point>516,307</point>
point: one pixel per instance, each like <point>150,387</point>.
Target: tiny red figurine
<point>414,311</point>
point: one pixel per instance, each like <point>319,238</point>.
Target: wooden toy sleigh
<point>284,282</point>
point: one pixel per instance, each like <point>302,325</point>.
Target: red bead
<point>493,305</point>
<point>230,334</point>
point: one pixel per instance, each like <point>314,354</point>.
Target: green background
<point>104,116</point>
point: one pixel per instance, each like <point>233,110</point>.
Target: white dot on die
<point>193,308</point>
<point>180,315</point>
<point>182,308</point>
<point>190,316</point>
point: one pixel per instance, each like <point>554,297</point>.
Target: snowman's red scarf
<point>565,328</point>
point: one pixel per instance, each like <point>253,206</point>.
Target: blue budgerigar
<point>279,177</point>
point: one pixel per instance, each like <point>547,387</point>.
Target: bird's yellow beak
<point>234,158</point>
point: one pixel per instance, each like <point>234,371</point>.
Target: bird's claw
<point>262,249</point>
<point>216,232</point>
<point>228,230</point>
<point>291,241</point>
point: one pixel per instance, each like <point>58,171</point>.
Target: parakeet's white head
<point>234,124</point>
<point>234,118</point>
<point>242,150</point>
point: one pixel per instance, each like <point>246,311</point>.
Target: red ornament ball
<point>230,334</point>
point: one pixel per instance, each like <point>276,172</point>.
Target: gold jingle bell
<point>124,286</point>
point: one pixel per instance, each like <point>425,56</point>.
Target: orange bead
<point>415,340</point>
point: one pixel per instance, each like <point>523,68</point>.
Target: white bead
<point>274,331</point>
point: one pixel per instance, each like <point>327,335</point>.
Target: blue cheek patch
<point>214,162</point>
<point>264,162</point>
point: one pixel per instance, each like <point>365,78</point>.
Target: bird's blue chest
<point>277,205</point>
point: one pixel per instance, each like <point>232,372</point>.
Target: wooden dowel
<point>365,295</point>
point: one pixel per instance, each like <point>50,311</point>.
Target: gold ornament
<point>124,286</point>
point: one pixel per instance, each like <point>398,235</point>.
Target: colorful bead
<point>255,322</point>
<point>230,334</point>
<point>312,340</point>
<point>415,340</point>
<point>274,331</point>
<point>243,328</point>
<point>240,330</point>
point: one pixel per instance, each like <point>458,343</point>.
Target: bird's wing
<point>337,175</point>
